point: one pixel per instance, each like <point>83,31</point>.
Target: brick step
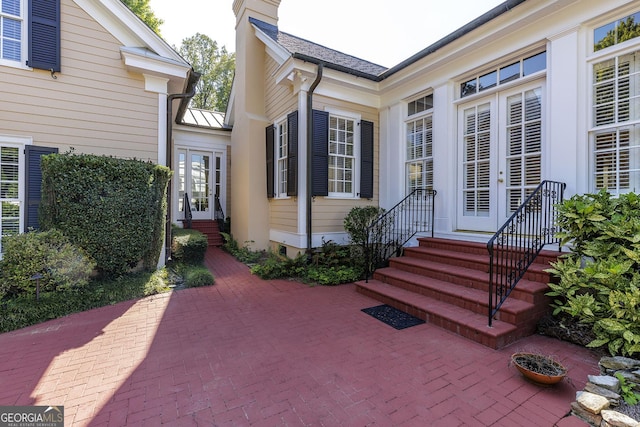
<point>450,317</point>
<point>210,229</point>
<point>527,290</point>
<point>535,272</point>
<point>446,282</point>
<point>461,246</point>
<point>514,311</point>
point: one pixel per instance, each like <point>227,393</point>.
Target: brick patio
<point>248,352</point>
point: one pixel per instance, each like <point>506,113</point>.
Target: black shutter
<point>44,34</point>
<point>292,154</point>
<point>270,136</point>
<point>33,174</point>
<point>320,154</point>
<point>366,160</point>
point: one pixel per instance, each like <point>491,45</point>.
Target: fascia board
<point>275,50</point>
<point>119,21</point>
<point>150,63</point>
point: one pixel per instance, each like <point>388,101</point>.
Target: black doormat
<point>392,316</point>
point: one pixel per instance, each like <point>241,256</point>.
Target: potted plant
<point>539,368</point>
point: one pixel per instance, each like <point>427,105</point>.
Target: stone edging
<point>596,403</point>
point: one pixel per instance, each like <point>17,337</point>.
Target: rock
<point>618,363</point>
<point>592,402</point>
<point>583,414</point>
<point>605,381</point>
<point>614,398</point>
<point>616,419</point>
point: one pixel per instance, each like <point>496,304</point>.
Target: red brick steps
<point>210,229</point>
<point>446,282</point>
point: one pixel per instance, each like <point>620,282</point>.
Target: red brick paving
<point>248,352</point>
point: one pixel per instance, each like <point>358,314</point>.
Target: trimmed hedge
<point>112,208</point>
<point>188,246</point>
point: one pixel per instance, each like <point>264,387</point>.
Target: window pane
<point>11,7</point>
<point>534,63</point>
<point>604,36</point>
<point>468,88</point>
<point>510,72</point>
<point>488,81</point>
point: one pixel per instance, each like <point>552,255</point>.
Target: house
<point>529,91</point>
<point>531,101</point>
<point>88,75</point>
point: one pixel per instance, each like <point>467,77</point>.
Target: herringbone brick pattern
<point>248,352</point>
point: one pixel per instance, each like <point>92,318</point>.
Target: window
<point>9,191</point>
<point>419,105</point>
<point>341,155</point>
<point>615,135</point>
<point>616,32</point>
<point>30,33</point>
<point>505,74</point>
<point>281,158</point>
<point>11,25</point>
<point>419,145</point>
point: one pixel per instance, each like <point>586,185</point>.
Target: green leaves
<point>599,281</point>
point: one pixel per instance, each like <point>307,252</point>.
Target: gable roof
<point>312,52</point>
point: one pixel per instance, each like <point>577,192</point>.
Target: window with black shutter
<point>33,189</point>
<point>44,35</point>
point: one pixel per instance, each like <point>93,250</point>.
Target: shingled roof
<point>306,50</point>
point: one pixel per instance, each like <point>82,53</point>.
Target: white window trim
<point>18,142</point>
<point>276,158</point>
<point>355,184</point>
<point>24,49</point>
<point>418,116</point>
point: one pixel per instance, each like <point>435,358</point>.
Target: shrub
<point>334,275</point>
<point>188,246</point>
<point>112,208</point>
<point>243,254</point>
<point>276,267</point>
<point>600,281</point>
<point>49,253</point>
<point>198,276</point>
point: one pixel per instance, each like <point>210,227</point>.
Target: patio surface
<point>248,352</point>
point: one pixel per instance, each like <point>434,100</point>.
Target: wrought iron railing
<point>516,244</point>
<point>188,216</point>
<point>388,234</point>
<point>219,214</point>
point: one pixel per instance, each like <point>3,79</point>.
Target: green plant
<point>627,390</point>
<point>198,276</point>
<point>600,280</point>
<point>334,275</point>
<point>358,220</point>
<point>49,254</point>
<point>112,208</point>
<point>332,254</point>
<point>275,266</point>
<point>243,253</point>
<point>188,246</point>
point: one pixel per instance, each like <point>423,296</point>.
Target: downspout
<point>310,154</point>
<point>191,87</point>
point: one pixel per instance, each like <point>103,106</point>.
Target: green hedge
<point>188,246</point>
<point>112,208</point>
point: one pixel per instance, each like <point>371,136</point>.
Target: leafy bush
<point>600,280</point>
<point>243,254</point>
<point>23,310</point>
<point>50,254</point>
<point>188,246</point>
<point>358,220</point>
<point>112,208</point>
<point>334,275</point>
<point>198,276</point>
<point>276,267</point>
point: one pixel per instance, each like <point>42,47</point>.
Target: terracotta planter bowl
<point>538,368</point>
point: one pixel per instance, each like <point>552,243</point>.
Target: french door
<point>499,155</point>
<point>199,175</point>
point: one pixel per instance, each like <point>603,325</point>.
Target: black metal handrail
<point>518,242</point>
<point>188,216</point>
<point>388,234</point>
<point>219,214</point>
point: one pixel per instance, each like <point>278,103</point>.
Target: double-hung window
<point>30,34</point>
<point>282,152</point>
<point>615,133</point>
<point>342,156</point>
<point>419,144</point>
